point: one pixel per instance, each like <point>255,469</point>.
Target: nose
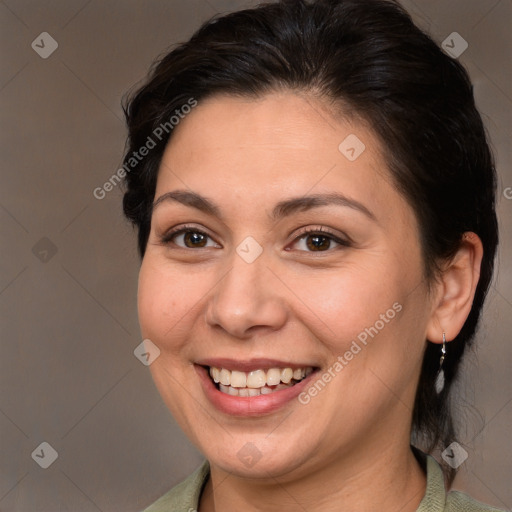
<point>248,299</point>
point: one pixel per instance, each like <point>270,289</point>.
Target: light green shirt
<point>185,496</point>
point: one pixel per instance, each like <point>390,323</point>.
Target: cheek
<point>165,298</point>
<point>349,300</point>
<point>371,314</point>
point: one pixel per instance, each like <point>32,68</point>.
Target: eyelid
<point>342,240</point>
<point>167,237</point>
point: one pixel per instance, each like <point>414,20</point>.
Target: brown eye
<point>194,239</point>
<point>188,238</point>
<point>318,242</point>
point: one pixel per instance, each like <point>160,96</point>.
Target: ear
<point>455,290</point>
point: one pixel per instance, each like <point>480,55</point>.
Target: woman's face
<point>291,249</point>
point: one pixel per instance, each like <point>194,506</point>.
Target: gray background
<point>68,375</point>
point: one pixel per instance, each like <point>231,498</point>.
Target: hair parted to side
<point>368,59</point>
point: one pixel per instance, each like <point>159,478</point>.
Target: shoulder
<point>184,496</point>
<point>459,502</point>
<point>436,498</point>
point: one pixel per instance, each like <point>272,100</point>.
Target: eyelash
<point>322,231</point>
<point>167,238</point>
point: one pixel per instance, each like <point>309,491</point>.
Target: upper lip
<point>249,365</point>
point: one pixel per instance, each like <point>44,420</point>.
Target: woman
<point>314,198</point>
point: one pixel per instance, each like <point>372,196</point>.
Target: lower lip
<point>249,405</point>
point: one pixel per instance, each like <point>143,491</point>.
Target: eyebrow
<point>282,209</point>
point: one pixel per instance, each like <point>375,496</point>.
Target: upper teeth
<point>257,378</point>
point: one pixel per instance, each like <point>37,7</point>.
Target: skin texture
<point>348,448</point>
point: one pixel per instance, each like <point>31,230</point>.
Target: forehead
<point>276,145</point>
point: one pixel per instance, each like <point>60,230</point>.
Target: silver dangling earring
<point>440,373</point>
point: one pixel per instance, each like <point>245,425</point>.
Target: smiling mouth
<point>256,382</point>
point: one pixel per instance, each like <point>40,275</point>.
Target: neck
<point>384,479</point>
